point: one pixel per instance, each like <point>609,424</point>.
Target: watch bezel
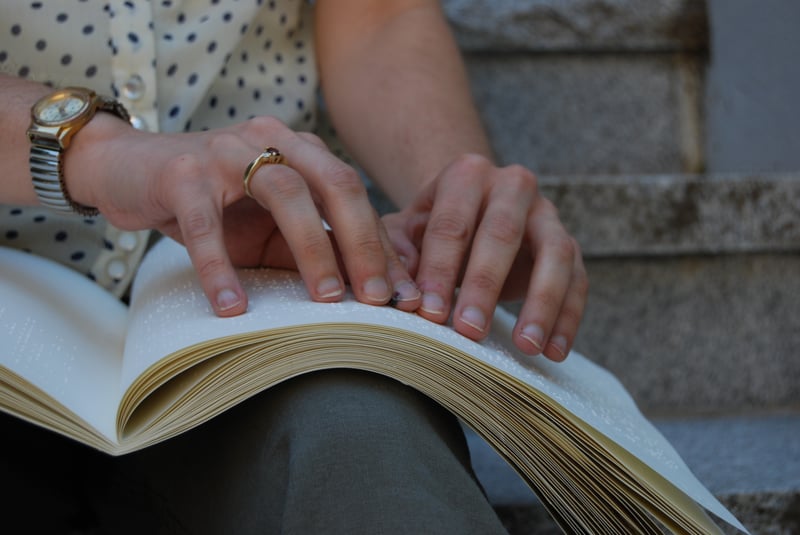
<point>85,96</point>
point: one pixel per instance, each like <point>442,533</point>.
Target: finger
<point>494,250</point>
<point>200,224</point>
<point>554,256</point>
<point>282,191</point>
<point>406,295</point>
<point>457,202</point>
<point>345,206</point>
<point>566,327</point>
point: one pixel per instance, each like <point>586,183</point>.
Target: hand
<point>489,231</point>
<point>189,186</point>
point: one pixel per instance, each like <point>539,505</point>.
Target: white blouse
<point>176,65</point>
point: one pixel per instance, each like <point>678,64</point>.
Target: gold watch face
<point>60,107</point>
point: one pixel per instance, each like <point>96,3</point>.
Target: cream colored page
<point>63,334</point>
<point>171,312</point>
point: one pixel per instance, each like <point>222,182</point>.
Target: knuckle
<point>283,184</point>
<point>486,280</point>
<point>503,228</point>
<point>343,179</point>
<point>449,227</point>
<point>197,226</point>
<point>264,123</point>
<point>562,247</point>
<point>470,163</point>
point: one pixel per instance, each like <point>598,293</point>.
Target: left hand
<point>488,231</point>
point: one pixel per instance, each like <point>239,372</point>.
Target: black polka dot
<point>23,71</point>
<point>212,46</point>
<point>133,38</point>
<point>192,79</point>
<point>191,38</point>
<point>41,44</point>
<point>15,211</point>
<point>91,70</point>
<point>61,236</point>
<point>77,256</point>
<point>62,17</point>
<point>16,29</point>
<point>88,29</point>
<point>174,111</point>
<point>39,219</point>
<point>12,234</point>
<point>66,59</point>
<point>172,69</point>
<point>212,102</point>
<point>232,112</point>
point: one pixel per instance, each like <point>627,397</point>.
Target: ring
<point>271,155</point>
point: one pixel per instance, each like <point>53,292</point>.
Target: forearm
<point>397,90</point>
<point>16,98</point>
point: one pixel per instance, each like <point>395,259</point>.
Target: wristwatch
<point>55,118</point>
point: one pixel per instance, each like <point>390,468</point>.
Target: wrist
<point>84,167</point>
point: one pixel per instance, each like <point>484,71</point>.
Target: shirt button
<point>116,269</point>
<point>139,123</point>
<point>127,241</point>
<point>133,88</point>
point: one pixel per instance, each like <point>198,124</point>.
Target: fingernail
<point>403,260</point>
<point>377,290</point>
<point>474,317</point>
<point>432,303</point>
<point>227,299</point>
<point>533,334</point>
<point>330,287</point>
<point>560,344</point>
<point>405,291</point>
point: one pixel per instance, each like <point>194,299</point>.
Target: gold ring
<point>271,155</point>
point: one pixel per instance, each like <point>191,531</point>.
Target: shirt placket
<point>133,64</point>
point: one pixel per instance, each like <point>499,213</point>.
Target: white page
<point>62,333</point>
<point>585,389</point>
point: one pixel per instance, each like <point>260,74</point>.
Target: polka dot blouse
<point>176,65</point>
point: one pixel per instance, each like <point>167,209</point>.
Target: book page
<point>170,312</point>
<point>63,334</point>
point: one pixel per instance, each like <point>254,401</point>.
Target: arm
<point>189,186</point>
<point>399,97</point>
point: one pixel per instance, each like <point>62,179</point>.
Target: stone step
<point>750,462</point>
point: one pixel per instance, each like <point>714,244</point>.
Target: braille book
<point>77,361</point>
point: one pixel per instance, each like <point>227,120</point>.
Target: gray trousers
<point>332,452</point>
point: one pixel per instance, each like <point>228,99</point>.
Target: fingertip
<point>229,302</point>
<point>556,348</point>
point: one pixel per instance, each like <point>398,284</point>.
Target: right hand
<point>189,187</point>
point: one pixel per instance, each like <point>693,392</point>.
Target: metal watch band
<point>47,170</point>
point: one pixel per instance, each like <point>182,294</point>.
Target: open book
<point>75,360</point>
